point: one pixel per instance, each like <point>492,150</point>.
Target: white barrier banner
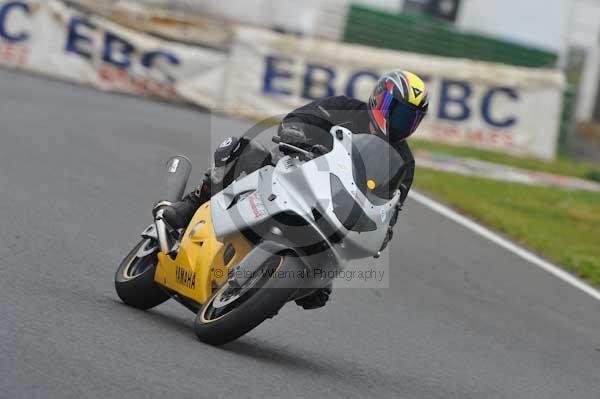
<point>312,18</point>
<point>194,28</point>
<point>486,105</point>
<point>50,38</point>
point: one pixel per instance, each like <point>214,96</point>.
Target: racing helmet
<point>398,104</point>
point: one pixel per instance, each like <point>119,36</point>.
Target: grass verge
<point>560,225</point>
<point>562,165</point>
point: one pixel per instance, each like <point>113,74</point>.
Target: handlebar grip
<point>276,139</point>
<point>175,180</point>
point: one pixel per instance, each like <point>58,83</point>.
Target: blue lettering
<point>150,58</point>
<point>75,38</point>
<point>4,10</point>
<point>487,102</point>
<point>354,77</point>
<point>112,44</point>
<point>309,82</point>
<point>272,72</point>
<point>460,100</point>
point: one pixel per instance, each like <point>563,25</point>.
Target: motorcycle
<point>259,242</point>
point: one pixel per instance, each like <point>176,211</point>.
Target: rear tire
<point>134,280</point>
<point>247,312</point>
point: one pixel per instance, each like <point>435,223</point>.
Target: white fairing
<point>301,187</point>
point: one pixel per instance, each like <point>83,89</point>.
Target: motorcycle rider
<point>395,109</point>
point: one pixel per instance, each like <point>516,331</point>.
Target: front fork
<point>160,236</point>
<point>167,237</point>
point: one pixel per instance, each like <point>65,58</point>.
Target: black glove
<point>319,149</point>
<point>294,135</point>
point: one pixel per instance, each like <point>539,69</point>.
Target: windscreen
<point>377,167</point>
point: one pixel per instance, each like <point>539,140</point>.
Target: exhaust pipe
<point>172,188</point>
<point>173,184</point>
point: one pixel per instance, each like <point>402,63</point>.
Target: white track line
<point>504,243</point>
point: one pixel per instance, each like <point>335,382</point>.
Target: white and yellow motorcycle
<point>255,245</point>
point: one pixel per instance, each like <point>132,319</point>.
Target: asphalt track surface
<point>462,318</point>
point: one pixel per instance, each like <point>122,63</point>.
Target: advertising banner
<point>266,74</point>
<point>193,28</point>
<point>479,104</point>
<point>49,38</point>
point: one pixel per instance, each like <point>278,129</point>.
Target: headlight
<point>347,210</point>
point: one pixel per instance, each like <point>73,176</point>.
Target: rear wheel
<point>134,279</point>
<point>233,311</point>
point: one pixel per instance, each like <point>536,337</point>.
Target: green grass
<point>560,225</point>
<point>562,165</point>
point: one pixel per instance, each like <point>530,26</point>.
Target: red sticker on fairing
<point>257,206</point>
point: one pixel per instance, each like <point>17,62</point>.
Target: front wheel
<point>134,279</point>
<point>232,312</point>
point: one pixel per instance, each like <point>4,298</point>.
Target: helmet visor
<point>396,119</point>
<point>403,120</point>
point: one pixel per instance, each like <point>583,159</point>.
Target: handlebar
<point>293,148</point>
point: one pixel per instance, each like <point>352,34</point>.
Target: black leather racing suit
<point>315,119</point>
<point>318,117</point>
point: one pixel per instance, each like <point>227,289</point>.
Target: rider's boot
<point>317,299</point>
<point>179,214</point>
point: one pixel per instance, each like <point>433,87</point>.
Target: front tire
<point>218,326</point>
<point>134,280</point>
